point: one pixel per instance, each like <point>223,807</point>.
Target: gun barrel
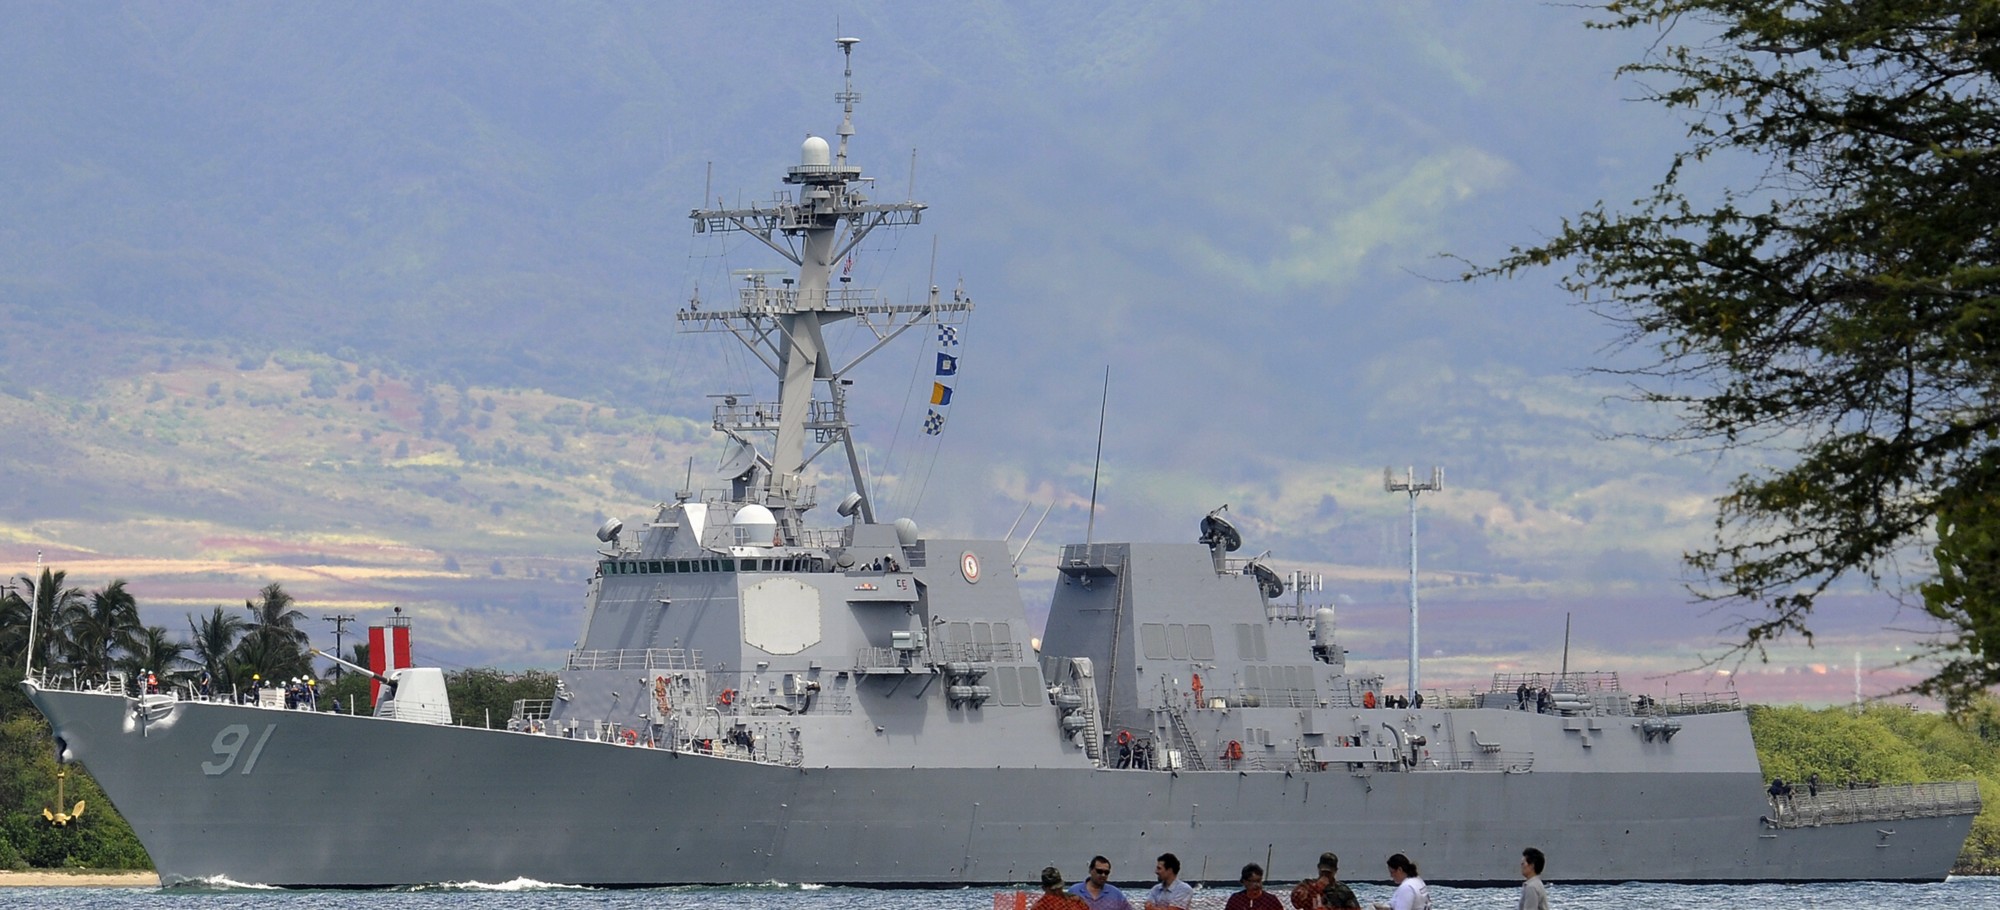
<point>384,680</point>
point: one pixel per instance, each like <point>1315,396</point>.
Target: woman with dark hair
<point>1411,893</point>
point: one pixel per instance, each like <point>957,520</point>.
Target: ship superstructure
<point>756,697</point>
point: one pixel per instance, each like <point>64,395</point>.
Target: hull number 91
<point>228,747</point>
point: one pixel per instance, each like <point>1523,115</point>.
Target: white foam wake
<point>224,882</point>
<point>519,884</point>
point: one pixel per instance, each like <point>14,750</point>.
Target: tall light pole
<point>1410,485</point>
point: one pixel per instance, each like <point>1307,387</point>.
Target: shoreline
<point>58,878</point>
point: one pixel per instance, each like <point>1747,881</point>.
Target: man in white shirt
<point>1171,892</point>
<point>1533,895</point>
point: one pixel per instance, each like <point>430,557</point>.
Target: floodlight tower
<point>1410,485</point>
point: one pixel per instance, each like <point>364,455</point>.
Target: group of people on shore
<point>1324,892</point>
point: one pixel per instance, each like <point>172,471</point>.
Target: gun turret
<point>422,699</point>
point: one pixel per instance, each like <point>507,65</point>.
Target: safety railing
<point>636,659</point>
<point>1703,703</point>
<point>1874,804</point>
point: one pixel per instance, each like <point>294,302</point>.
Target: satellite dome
<point>758,524</point>
<point>906,532</point>
<point>815,153</point>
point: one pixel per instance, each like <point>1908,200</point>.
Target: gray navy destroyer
<point>756,697</point>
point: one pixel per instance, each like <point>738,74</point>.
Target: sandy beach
<point>55,878</point>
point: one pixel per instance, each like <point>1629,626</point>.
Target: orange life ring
<point>1234,752</point>
<point>1124,737</point>
<point>727,698</point>
<point>631,737</point>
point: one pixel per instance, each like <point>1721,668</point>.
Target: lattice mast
<point>785,325</point>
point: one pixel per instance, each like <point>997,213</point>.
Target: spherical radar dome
<point>815,153</point>
<point>758,524</point>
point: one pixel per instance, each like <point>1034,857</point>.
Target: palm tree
<point>274,628</point>
<point>255,661</point>
<point>213,640</point>
<point>152,651</point>
<point>42,599</point>
<point>92,631</point>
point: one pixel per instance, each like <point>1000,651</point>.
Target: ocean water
<point>1956,892</point>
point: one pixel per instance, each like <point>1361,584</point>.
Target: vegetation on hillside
<point>1891,745</point>
<point>97,839</point>
<point>269,443</point>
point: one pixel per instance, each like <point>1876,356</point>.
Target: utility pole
<point>340,622</point>
<point>1410,486</point>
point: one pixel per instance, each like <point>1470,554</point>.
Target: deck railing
<point>1871,804</point>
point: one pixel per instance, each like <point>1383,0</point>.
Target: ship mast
<point>785,326</point>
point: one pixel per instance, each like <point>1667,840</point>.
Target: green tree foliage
<point>93,631</point>
<point>154,650</point>
<point>481,692</point>
<point>349,693</point>
<point>1845,304</point>
<point>40,601</point>
<point>100,839</point>
<point>273,646</point>
<point>212,640</point>
<point>1892,745</point>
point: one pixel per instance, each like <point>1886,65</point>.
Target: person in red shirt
<point>1253,896</point>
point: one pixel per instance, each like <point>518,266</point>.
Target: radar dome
<point>758,524</point>
<point>815,153</point>
<point>608,532</point>
<point>906,532</point>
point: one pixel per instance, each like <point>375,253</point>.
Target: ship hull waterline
<point>295,798</point>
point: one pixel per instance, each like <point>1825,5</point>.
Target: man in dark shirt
<point>1253,896</point>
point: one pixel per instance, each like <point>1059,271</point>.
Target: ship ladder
<point>1190,750</point>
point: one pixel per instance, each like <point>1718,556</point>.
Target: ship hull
<point>296,798</point>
